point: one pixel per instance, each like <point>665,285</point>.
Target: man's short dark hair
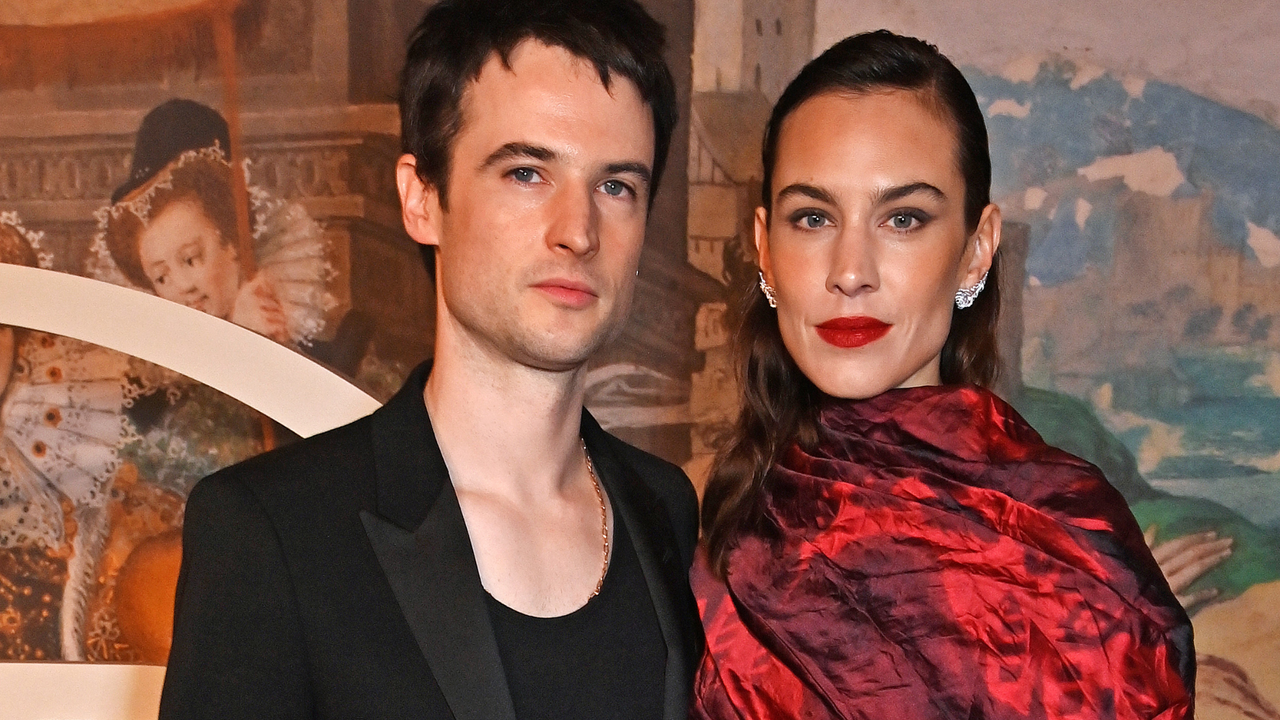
<point>457,37</point>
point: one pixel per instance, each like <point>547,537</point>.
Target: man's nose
<point>854,268</point>
<point>575,221</point>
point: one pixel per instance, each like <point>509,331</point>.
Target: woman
<point>62,426</point>
<point>172,229</point>
<point>885,538</point>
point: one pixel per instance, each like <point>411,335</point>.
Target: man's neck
<point>504,427</point>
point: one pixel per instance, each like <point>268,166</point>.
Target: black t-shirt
<point>607,659</point>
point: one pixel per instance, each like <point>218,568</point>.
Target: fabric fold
<point>934,558</point>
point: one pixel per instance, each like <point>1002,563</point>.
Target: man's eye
<point>524,175</point>
<point>615,188</point>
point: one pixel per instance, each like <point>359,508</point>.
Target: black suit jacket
<point>334,578</point>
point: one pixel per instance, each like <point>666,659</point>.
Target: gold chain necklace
<point>604,518</point>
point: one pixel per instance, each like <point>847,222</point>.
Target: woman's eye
<point>813,221</point>
<point>902,221</point>
<point>809,219</point>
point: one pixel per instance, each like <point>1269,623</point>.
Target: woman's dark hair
<point>201,179</point>
<point>779,404</point>
<point>14,248</point>
<point>457,37</point>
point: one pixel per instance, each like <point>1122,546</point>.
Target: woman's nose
<point>854,268</point>
<point>184,280</point>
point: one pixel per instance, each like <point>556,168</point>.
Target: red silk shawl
<point>934,558</point>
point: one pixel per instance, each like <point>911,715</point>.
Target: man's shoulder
<point>670,484</point>
<point>328,465</point>
<point>326,452</point>
<point>662,476</point>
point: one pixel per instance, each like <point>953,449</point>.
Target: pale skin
<point>188,261</point>
<point>1184,559</point>
<point>537,249</point>
<point>868,221</point>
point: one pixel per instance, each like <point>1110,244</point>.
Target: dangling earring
<point>966,296</point>
<point>768,291</point>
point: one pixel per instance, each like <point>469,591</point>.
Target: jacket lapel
<point>432,569</point>
<point>655,545</point>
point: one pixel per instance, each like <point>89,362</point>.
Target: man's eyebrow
<point>519,150</point>
<point>809,191</point>
<point>545,154</point>
<point>638,169</point>
<point>898,192</point>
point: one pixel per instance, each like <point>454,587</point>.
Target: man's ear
<point>982,250</point>
<point>419,203</point>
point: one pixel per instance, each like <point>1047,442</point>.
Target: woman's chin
<point>864,373</point>
<point>850,389</point>
<point>860,382</point>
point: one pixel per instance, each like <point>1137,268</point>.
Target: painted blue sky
<point>1231,153</point>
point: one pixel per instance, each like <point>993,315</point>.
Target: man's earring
<point>768,291</point>
<point>966,296</point>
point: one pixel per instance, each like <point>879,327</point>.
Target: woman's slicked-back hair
<point>880,61</point>
<point>778,401</point>
<point>457,37</point>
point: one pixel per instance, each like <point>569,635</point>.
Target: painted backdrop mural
<point>253,181</point>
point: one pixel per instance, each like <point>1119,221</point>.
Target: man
<point>479,547</point>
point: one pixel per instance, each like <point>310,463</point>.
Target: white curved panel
<point>282,384</point>
<point>80,691</point>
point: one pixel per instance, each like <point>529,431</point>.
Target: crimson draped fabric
<point>936,559</point>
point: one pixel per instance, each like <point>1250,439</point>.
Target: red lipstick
<point>852,332</point>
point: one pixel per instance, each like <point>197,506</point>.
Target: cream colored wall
<point>1225,50</point>
<point>717,45</point>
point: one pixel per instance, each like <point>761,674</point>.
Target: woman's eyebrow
<point>898,192</point>
<point>802,190</point>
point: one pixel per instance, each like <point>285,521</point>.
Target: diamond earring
<point>768,291</point>
<point>966,296</point>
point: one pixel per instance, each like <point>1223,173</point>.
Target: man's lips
<point>575,294</point>
<point>852,332</point>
